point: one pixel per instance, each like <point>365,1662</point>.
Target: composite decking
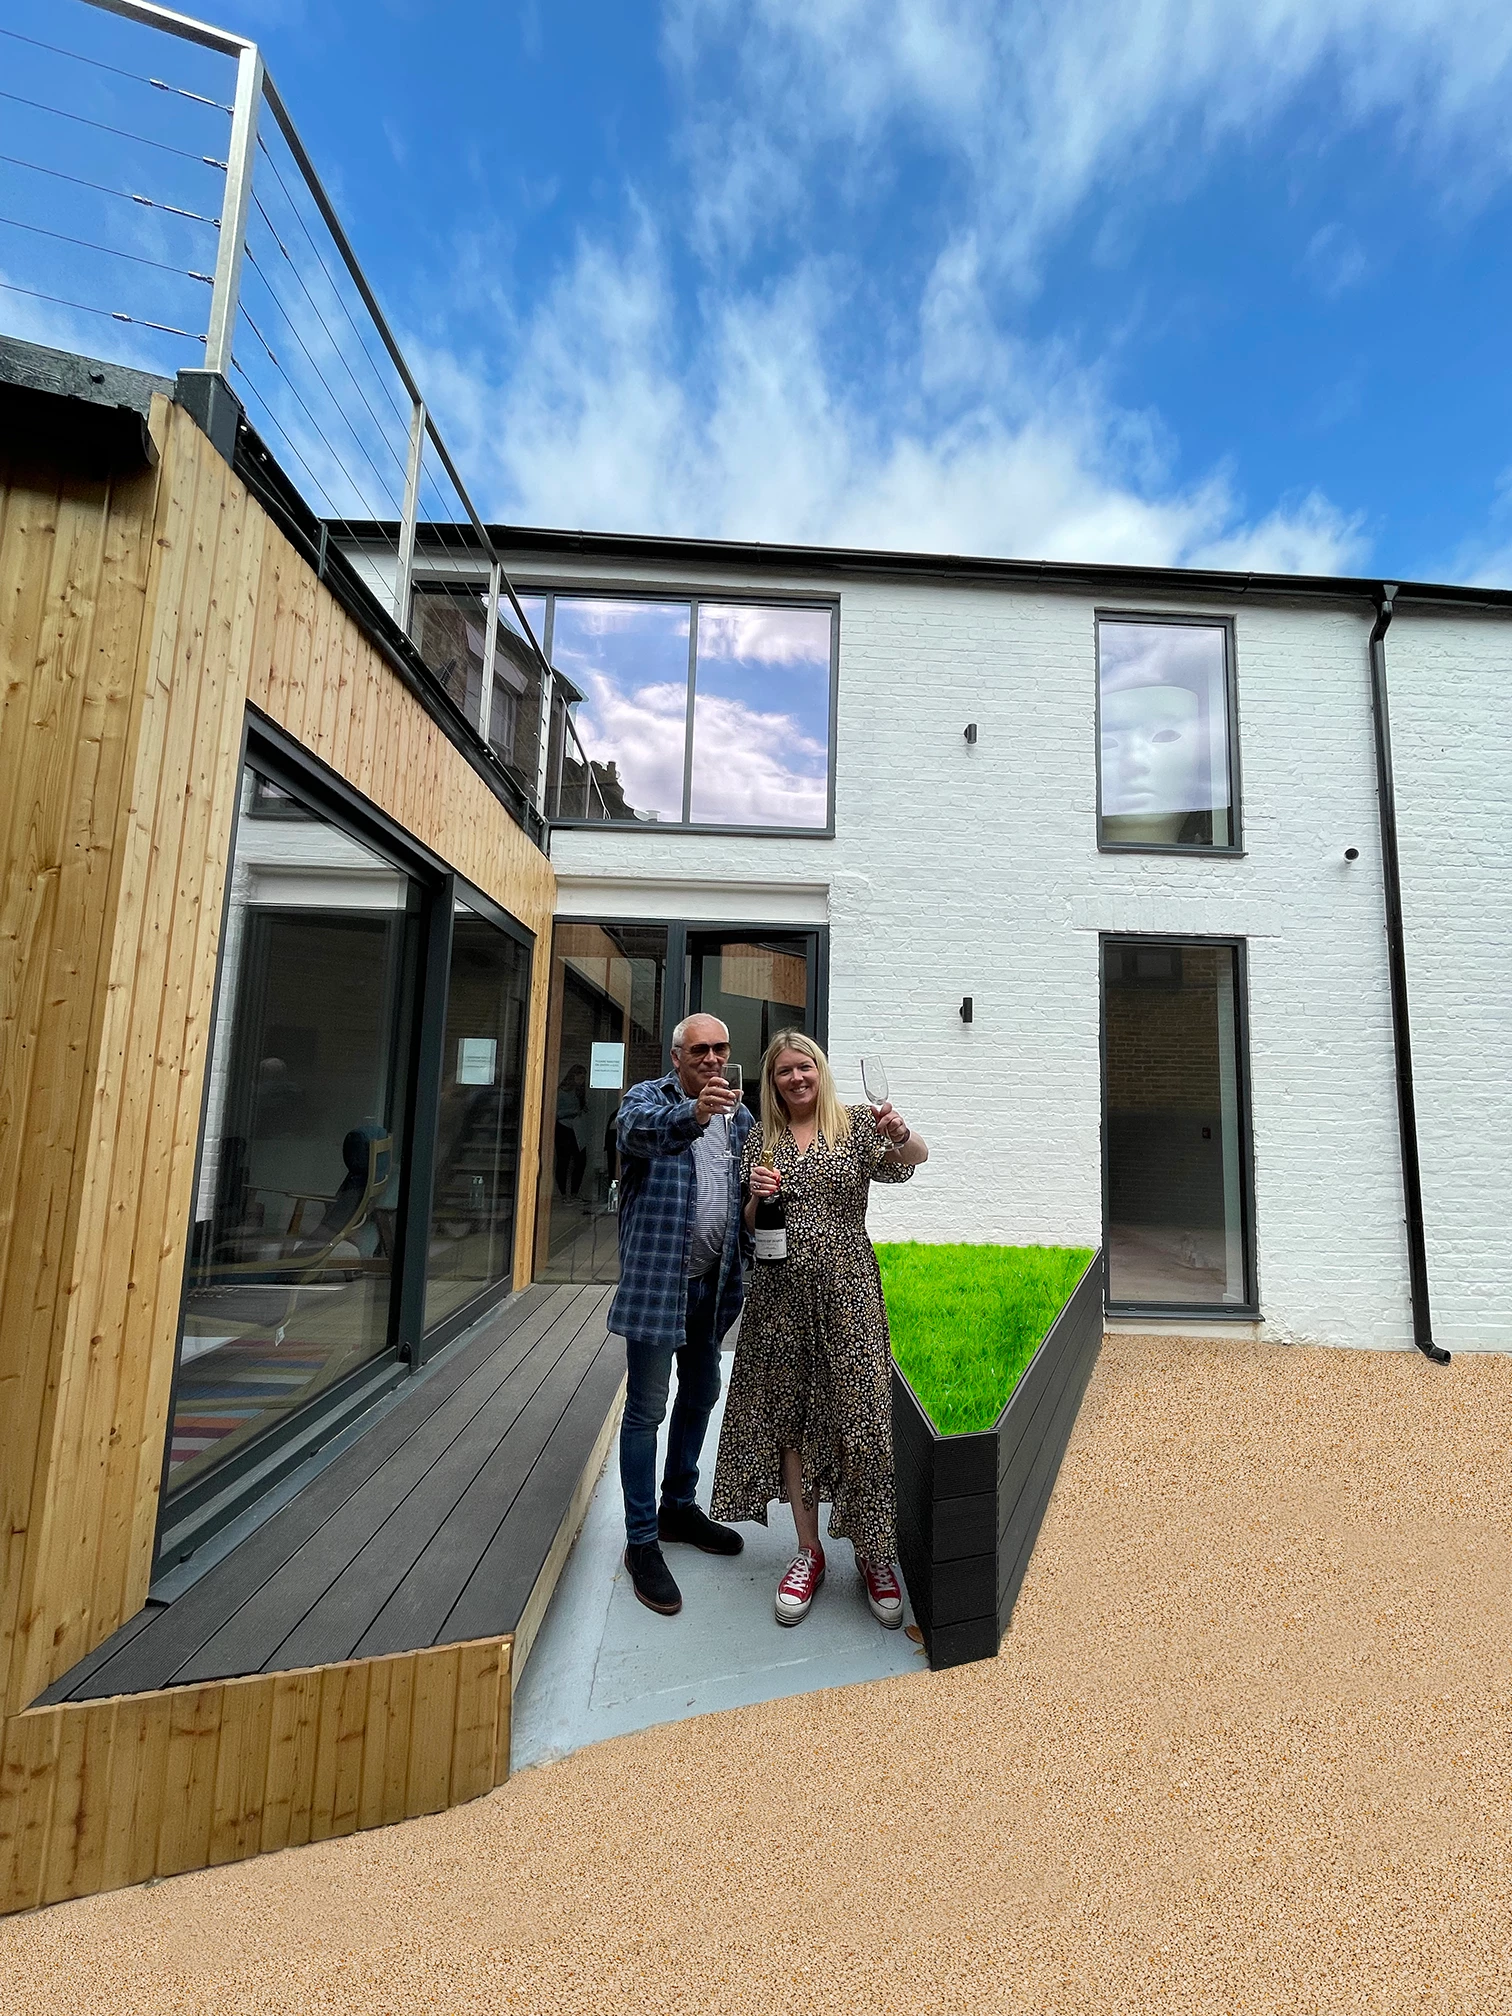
<point>444,1523</point>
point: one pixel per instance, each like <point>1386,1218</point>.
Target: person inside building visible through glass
<point>572,1130</point>
<point>809,1413</point>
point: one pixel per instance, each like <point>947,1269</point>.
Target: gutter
<point>1412,1186</point>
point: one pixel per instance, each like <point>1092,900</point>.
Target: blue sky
<point>1146,282</point>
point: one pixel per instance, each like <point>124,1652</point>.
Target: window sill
<point>678,826</point>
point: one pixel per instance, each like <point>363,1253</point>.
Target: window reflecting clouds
<point>761,716</point>
<point>450,628</point>
<point>629,661</point>
<point>759,692</point>
<point>1164,734</point>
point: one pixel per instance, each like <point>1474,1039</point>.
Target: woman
<point>809,1414</point>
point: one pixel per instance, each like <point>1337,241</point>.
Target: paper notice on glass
<point>606,1067</point>
<point>476,1058</point>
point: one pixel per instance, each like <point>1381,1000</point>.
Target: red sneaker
<point>884,1593</point>
<point>799,1586</point>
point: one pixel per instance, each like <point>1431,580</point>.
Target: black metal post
<point>425,1111</point>
<point>1412,1186</point>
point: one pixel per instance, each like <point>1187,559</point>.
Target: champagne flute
<point>874,1085</point>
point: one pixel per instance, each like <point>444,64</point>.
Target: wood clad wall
<point>98,1794</point>
<point>74,563</point>
<point>136,624</point>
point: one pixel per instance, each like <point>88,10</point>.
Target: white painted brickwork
<point>958,870</point>
<point>1451,721</point>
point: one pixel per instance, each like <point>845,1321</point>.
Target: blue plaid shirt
<point>658,1195</point>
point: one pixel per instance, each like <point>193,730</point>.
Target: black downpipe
<point>1391,876</point>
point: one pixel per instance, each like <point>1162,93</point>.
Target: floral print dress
<point>813,1364</point>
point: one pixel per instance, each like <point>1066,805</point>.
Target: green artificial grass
<point>966,1320</point>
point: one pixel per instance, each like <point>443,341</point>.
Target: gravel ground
<point>1246,1748</point>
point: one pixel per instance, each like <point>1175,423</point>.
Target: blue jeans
<point>650,1377</point>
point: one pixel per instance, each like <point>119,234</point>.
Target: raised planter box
<point>970,1506</point>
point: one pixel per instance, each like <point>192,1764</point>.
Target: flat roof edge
<point>1096,577</point>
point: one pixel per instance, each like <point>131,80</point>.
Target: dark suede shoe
<point>651,1579</point>
<point>697,1529</point>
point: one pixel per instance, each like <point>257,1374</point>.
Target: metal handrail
<point>255,86</point>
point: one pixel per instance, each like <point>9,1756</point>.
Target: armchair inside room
<point>352,1236</point>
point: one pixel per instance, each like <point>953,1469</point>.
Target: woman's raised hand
<point>764,1182</point>
<point>890,1123</point>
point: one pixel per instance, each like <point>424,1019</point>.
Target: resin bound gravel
<point>1246,1748</point>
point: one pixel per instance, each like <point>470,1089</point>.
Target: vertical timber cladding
<point>98,1794</point>
<point>138,623</point>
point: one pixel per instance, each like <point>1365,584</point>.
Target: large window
<point>1165,718</point>
<point>1176,1149</point>
<point>451,634</point>
<point>703,713</point>
<point>355,1198</point>
<point>296,1215</point>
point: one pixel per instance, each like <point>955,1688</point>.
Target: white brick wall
<point>1451,722</point>
<point>959,870</point>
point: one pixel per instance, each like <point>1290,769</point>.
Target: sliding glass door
<point>291,1274</point>
<point>1176,1139</point>
<point>757,983</point>
<point>617,993</point>
<point>354,1204</point>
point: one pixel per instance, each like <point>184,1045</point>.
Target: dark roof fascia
<point>78,413</point>
<point>522,545</point>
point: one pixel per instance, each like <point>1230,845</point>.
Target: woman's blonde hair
<point>834,1119</point>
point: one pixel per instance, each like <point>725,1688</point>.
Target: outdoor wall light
<point>966,1008</point>
<point>1351,853</point>
<point>971,732</point>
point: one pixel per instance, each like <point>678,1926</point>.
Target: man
<point>680,1289</point>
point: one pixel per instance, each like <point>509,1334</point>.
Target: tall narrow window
<point>478,1127</point>
<point>629,661</point>
<point>1165,741</point>
<point>1175,1130</point>
<point>294,1234</point>
<point>761,716</point>
<point>603,1035</point>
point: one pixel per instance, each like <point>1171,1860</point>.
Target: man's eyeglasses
<point>708,1049</point>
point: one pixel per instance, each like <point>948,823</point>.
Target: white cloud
<point>605,413</point>
<point>755,769</point>
<point>640,730</point>
<point>754,634</point>
<point>1034,108</point>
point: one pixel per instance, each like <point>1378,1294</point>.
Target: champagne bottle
<point>769,1222</point>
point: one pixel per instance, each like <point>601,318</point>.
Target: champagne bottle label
<point>771,1242</point>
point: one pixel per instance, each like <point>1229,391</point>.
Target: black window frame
<point>694,598</point>
<point>1188,619</point>
<point>1247,1311</point>
<point>677,989</point>
<point>309,781</point>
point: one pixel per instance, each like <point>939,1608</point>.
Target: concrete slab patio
<point>603,1665</point>
<point>1247,1747</point>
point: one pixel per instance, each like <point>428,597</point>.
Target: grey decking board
<point>499,1587</point>
<point>248,1639</point>
<point>156,1654</point>
<point>416,1612</point>
<point>343,1612</point>
<point>77,1676</point>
